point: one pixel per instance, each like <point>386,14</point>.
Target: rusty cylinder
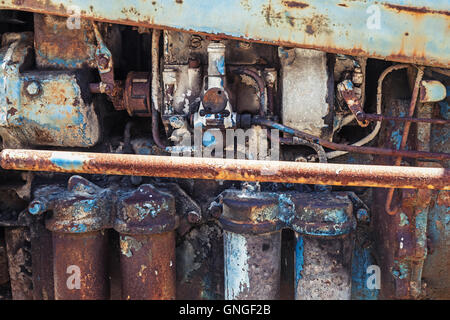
<point>323,268</point>
<point>79,219</point>
<point>252,266</point>
<point>80,266</point>
<point>252,245</point>
<point>146,222</point>
<point>147,264</point>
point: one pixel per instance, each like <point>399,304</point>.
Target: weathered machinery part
<point>19,262</point>
<point>226,169</point>
<point>146,222</point>
<point>80,216</point>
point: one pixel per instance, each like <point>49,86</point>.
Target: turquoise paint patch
<point>402,272</point>
<point>208,139</point>
<point>299,261</point>
<point>362,259</point>
<point>79,228</point>
<point>421,228</point>
<point>403,220</point>
<point>69,163</point>
<point>396,138</point>
<point>220,65</point>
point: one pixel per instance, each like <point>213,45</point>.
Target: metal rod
<point>226,169</point>
<point>351,148</point>
<point>407,126</point>
<point>156,89</point>
<point>380,117</point>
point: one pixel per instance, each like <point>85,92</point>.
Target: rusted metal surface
<point>345,89</point>
<point>390,30</point>
<point>432,91</point>
<point>43,108</point>
<point>146,220</point>
<point>137,94</point>
<point>350,148</point>
<point>381,117</point>
<point>58,47</point>
<point>19,262</point>
<point>80,243</point>
<point>226,169</point>
<point>323,268</point>
<point>4,273</point>
<point>80,266</point>
<point>84,207</point>
<point>200,263</point>
<point>252,266</point>
<point>42,258</point>
<point>403,241</point>
<point>252,220</point>
<point>148,266</point>
<point>407,126</point>
<point>156,89</point>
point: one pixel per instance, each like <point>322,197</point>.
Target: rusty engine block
<point>160,153</point>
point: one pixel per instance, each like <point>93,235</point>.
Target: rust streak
<point>422,10</point>
<point>295,4</point>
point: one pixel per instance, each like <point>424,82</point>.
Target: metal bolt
<point>33,88</point>
<point>362,214</point>
<point>216,210</point>
<point>196,42</point>
<point>194,217</point>
<point>102,61</point>
<point>36,207</point>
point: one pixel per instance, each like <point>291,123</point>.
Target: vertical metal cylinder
<point>19,263</point>
<point>323,268</point>
<point>78,221</point>
<point>80,266</point>
<point>216,64</point>
<point>147,264</point>
<point>146,221</point>
<point>252,266</point>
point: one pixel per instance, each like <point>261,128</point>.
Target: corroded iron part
<point>147,265</point>
<point>146,219</point>
<point>227,169</point>
<point>80,266</point>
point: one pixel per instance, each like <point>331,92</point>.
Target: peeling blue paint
<point>67,163</point>
<point>403,220</point>
<point>79,228</point>
<point>396,138</point>
<point>362,259</point>
<point>299,261</point>
<point>402,272</point>
<point>220,65</point>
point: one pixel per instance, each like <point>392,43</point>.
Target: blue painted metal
<point>83,208</point>
<point>42,108</point>
<point>399,30</point>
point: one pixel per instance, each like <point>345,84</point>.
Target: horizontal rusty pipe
<point>227,169</point>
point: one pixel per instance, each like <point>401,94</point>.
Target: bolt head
<point>194,217</point>
<point>216,211</point>
<point>33,88</point>
<point>362,214</point>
